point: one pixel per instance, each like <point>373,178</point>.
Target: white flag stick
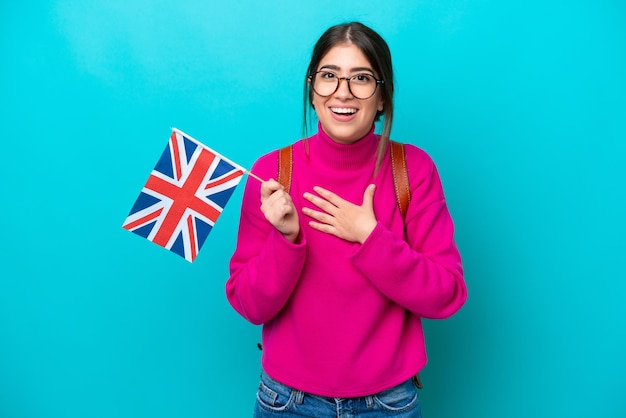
<point>254,176</point>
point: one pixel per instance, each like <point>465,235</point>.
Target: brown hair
<point>377,53</point>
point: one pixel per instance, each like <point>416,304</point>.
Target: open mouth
<point>343,111</point>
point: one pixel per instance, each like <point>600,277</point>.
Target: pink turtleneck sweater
<point>343,319</point>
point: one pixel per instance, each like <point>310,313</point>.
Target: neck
<point>344,156</point>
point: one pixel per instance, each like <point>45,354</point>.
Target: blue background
<point>522,104</point>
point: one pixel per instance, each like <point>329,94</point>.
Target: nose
<point>343,91</point>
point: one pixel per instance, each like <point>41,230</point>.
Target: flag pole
<point>254,176</point>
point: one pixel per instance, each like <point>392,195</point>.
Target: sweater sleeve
<point>426,275</point>
<point>265,267</point>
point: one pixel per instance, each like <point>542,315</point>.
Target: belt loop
<point>369,401</point>
<point>298,397</point>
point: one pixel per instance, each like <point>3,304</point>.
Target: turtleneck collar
<point>344,156</point>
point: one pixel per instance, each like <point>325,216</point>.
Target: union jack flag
<point>184,195</point>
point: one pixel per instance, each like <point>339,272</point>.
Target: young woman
<point>337,276</point>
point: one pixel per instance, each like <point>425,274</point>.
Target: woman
<point>336,275</point>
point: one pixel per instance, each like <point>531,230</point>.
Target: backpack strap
<point>400,176</point>
<point>285,164</point>
<point>398,166</point>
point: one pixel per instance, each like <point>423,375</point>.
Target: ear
<point>381,104</point>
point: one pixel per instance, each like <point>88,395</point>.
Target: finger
<point>329,229</point>
<point>278,196</point>
<point>276,202</point>
<point>328,195</point>
<point>318,216</point>
<point>368,197</point>
<point>270,186</point>
<point>323,204</point>
<point>284,210</point>
<point>276,214</point>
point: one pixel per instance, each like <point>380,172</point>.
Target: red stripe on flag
<point>192,236</point>
<point>230,177</point>
<point>176,151</point>
<point>145,219</point>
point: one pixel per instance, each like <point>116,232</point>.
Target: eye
<point>362,78</point>
<point>327,75</point>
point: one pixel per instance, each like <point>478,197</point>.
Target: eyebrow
<point>352,70</point>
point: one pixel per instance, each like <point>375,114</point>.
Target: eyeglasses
<point>362,86</point>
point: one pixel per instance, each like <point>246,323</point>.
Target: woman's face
<point>343,117</point>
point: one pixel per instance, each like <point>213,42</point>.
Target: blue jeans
<point>274,399</point>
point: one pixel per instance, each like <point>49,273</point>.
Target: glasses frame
<point>339,80</point>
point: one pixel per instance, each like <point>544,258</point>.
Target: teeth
<point>343,110</point>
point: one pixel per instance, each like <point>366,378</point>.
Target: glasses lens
<point>325,83</point>
<point>362,86</point>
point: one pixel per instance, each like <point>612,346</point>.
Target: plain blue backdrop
<point>522,105</point>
